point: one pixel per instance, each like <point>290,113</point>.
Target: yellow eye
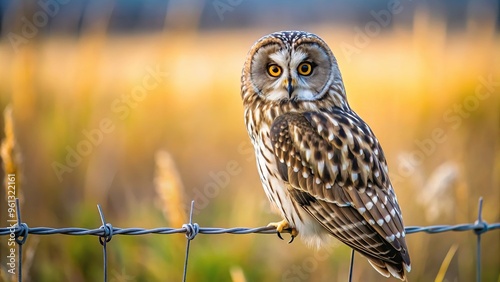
<point>305,68</point>
<point>274,70</point>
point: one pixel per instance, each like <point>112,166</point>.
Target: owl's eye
<point>274,70</point>
<point>305,68</point>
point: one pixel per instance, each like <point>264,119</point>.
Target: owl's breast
<point>276,188</point>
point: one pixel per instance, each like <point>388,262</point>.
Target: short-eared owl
<point>319,162</point>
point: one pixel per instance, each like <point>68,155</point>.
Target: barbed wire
<point>190,229</point>
<point>106,231</point>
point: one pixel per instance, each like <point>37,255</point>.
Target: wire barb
<point>481,227</point>
<point>107,228</point>
<point>22,235</point>
<point>106,236</point>
<point>191,232</point>
<point>23,232</point>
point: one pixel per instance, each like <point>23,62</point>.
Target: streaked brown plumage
<point>319,162</point>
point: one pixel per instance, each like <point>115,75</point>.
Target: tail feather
<point>387,269</point>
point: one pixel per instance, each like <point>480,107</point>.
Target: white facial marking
<point>304,94</point>
<point>278,93</point>
<point>297,58</point>
<point>280,58</point>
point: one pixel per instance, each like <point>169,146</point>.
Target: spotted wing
<point>334,158</point>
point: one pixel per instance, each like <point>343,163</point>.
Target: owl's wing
<point>338,173</point>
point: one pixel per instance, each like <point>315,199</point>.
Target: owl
<point>320,164</point>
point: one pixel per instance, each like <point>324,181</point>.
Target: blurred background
<point>135,105</point>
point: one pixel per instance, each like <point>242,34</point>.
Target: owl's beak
<point>290,87</point>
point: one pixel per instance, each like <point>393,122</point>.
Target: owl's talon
<point>283,226</point>
<point>279,235</point>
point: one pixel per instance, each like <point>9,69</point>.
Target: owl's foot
<point>283,226</point>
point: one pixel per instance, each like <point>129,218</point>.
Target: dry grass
<point>9,153</point>
<point>405,84</point>
<point>170,189</point>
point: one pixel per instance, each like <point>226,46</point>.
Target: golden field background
<point>405,83</point>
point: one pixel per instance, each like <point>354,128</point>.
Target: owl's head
<point>292,65</point>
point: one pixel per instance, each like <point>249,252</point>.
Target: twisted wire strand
<point>106,231</point>
<point>480,227</point>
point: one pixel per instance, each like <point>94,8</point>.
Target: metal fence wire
<point>105,233</point>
